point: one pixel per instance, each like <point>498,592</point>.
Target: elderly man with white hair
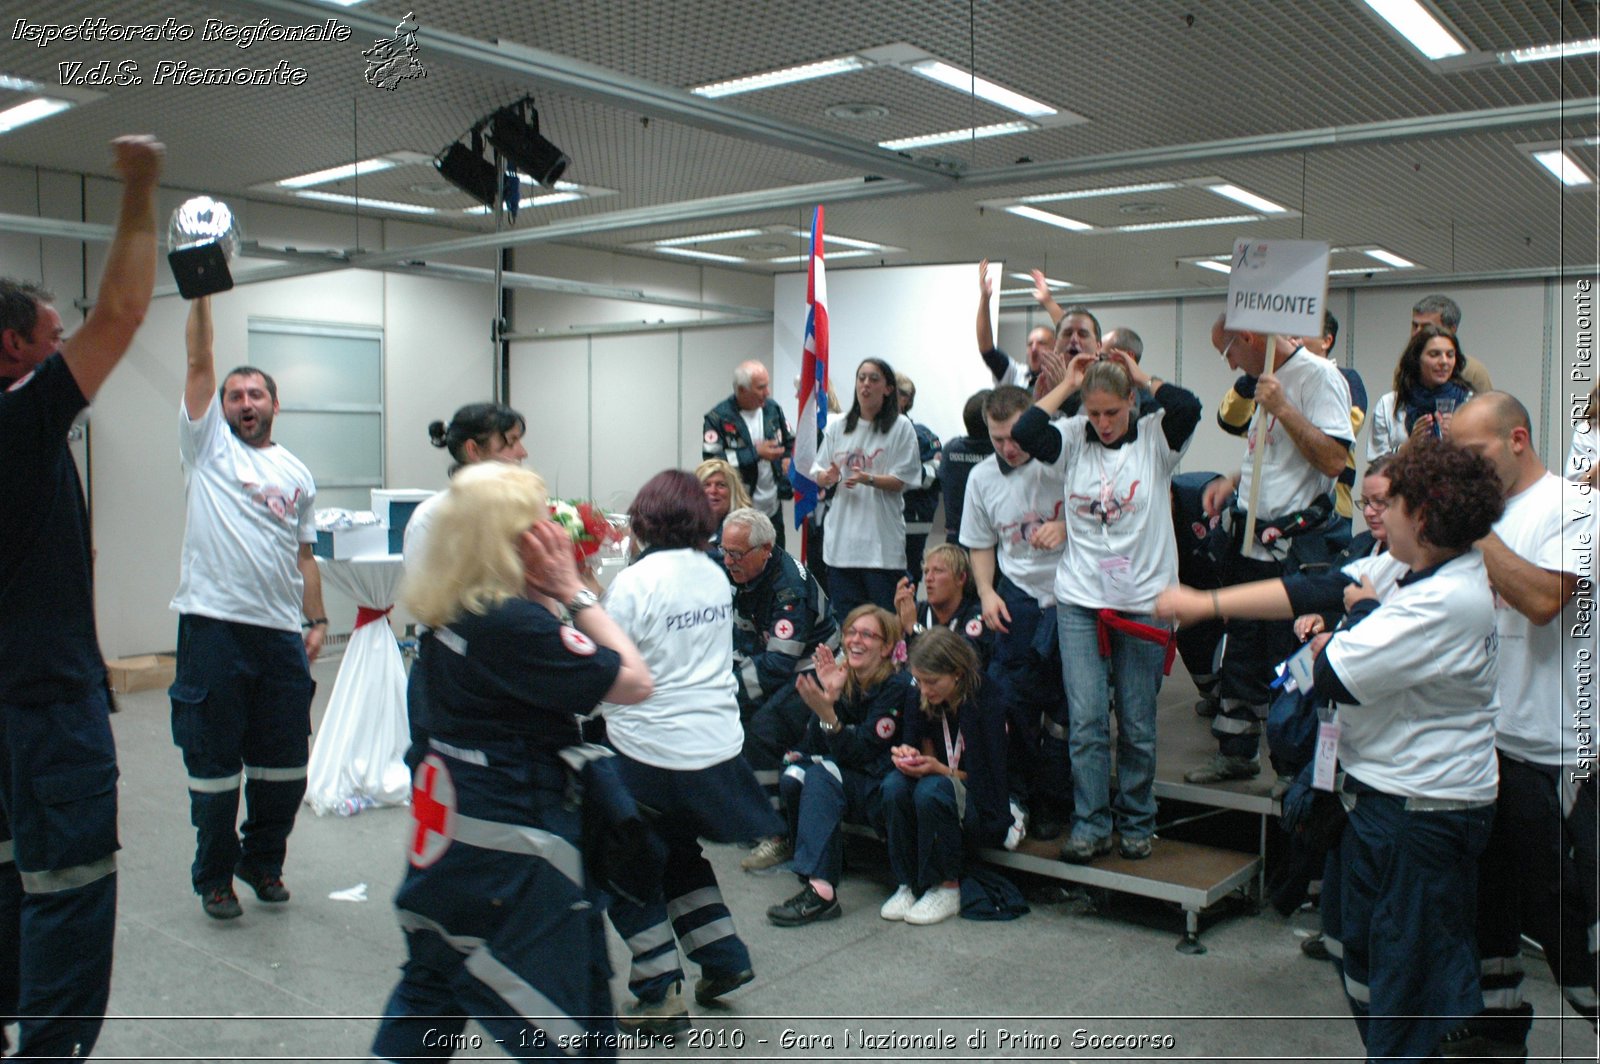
<point>749,431</point>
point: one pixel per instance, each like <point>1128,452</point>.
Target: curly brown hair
<point>1453,494</point>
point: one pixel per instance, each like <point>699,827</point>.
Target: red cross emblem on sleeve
<point>433,811</point>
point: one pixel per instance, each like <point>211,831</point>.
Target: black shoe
<point>221,904</point>
<point>1316,948</point>
<point>804,908</point>
<point>1045,828</point>
<point>712,986</point>
<point>268,888</point>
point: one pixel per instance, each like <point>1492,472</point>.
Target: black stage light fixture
<point>468,170</point>
<point>514,131</point>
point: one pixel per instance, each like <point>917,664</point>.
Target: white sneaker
<point>940,903</point>
<point>899,903</point>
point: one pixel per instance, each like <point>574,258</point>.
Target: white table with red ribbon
<point>359,751</point>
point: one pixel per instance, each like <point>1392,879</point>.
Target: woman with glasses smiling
<point>870,455</point>
<point>858,706</point>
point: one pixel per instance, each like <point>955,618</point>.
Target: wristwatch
<point>582,601</point>
<point>830,729</point>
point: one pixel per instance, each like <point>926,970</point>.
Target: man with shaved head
<point>748,429</point>
<point>1538,875</point>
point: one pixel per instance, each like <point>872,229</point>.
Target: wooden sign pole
<point>1259,447</point>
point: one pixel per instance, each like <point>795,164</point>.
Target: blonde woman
<point>725,492</point>
<point>506,677</point>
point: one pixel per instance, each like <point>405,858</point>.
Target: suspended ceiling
<point>1169,90</point>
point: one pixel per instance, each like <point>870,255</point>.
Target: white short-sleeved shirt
<point>1422,667</point>
<point>1002,509</point>
<point>1121,552</point>
<point>248,509</point>
<point>1385,571</point>
<point>1581,457</point>
<point>677,607</point>
<point>1551,524</point>
<point>1315,387</point>
<point>866,527</point>
<point>417,529</point>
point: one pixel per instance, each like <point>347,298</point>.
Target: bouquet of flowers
<point>585,524</point>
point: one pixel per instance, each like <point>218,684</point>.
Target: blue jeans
<point>1085,674</point>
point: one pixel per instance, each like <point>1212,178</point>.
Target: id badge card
<point>1322,771</point>
<point>1116,577</point>
<point>1301,666</point>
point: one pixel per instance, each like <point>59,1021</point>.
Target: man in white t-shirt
<point>241,700</point>
<point>1302,418</point>
<point>750,431</point>
<point>1014,528</point>
<point>1538,876</point>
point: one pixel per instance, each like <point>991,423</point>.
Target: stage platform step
<point>1195,877</point>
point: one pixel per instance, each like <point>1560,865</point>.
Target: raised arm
<point>200,378</point>
<point>985,294</point>
<point>1041,295</point>
<point>129,278</point>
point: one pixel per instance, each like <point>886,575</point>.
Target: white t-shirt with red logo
<point>866,526</point>
<point>1002,509</point>
<point>248,511</point>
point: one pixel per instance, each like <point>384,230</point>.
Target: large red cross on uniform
<point>433,807</point>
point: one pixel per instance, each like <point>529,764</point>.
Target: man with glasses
<point>780,616</point>
<point>1302,418</point>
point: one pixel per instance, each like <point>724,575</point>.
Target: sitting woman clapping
<point>947,796</point>
<point>859,705</point>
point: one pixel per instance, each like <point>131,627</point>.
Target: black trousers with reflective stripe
<point>58,885</point>
<point>241,709</point>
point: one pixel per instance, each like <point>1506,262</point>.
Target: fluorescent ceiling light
<point>928,140</point>
<point>366,203</point>
<point>1049,281</point>
<point>1358,269</point>
<point>344,3</point>
<point>1248,198</point>
<point>704,238</point>
<point>1564,50</point>
<point>1188,223</point>
<point>1213,264</point>
<point>1086,193</point>
<point>1418,26</point>
<point>849,242</point>
<point>32,111</point>
<point>828,255</point>
<point>964,81</point>
<point>805,72</point>
<point>691,253</point>
<point>339,173</point>
<point>1035,214</point>
<point>1563,167</point>
<point>546,199</point>
<point>1383,255</point>
<point>12,83</point>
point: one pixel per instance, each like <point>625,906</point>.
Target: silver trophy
<point>201,237</point>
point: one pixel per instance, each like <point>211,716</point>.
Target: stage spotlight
<point>468,170</point>
<point>518,140</point>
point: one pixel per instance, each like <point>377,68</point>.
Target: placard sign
<point>1278,287</point>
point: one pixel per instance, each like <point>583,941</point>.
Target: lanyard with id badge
<point>1326,762</point>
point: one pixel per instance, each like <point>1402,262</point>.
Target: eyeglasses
<point>1378,503</point>
<point>737,556</point>
<point>871,635</point>
<point>1229,347</point>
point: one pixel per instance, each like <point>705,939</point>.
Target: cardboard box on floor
<point>141,673</point>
